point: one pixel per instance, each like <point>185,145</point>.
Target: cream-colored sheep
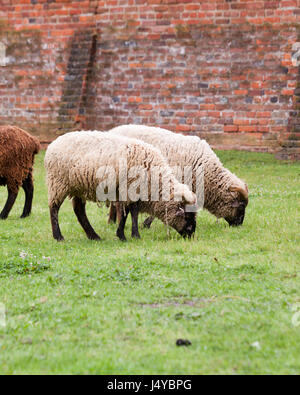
<point>78,162</point>
<point>225,195</point>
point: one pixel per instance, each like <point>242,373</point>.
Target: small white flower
<point>256,345</point>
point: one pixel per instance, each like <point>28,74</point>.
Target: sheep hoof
<point>121,235</point>
<point>136,236</point>
<point>59,239</point>
<point>3,216</point>
<point>25,216</point>
<point>94,238</point>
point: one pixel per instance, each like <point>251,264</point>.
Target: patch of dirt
<point>193,302</point>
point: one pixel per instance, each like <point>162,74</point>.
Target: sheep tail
<point>37,146</point>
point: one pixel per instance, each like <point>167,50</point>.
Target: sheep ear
<point>191,199</point>
<point>180,212</point>
<point>194,203</point>
<point>241,191</point>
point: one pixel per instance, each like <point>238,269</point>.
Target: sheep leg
<point>28,189</point>
<point>120,231</point>
<point>12,196</point>
<point>134,211</point>
<point>54,209</point>
<point>148,221</point>
<point>112,217</point>
<point>120,210</point>
<point>79,210</point>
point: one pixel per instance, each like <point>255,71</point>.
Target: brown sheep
<point>17,151</point>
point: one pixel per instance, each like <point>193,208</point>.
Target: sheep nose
<point>236,222</point>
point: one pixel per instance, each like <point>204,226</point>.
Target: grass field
<point>118,308</point>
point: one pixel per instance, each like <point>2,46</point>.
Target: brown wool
<point>17,151</point>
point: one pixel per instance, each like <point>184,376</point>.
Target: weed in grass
<point>23,264</point>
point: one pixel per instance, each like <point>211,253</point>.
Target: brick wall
<point>225,70</point>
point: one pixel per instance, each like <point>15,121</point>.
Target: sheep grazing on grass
<point>79,162</point>
<point>17,151</point>
<point>225,195</point>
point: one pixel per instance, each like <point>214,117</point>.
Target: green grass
<point>115,308</point>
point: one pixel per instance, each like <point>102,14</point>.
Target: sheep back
<point>191,151</point>
<point>73,162</point>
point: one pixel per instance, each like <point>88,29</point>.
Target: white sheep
<point>78,162</point>
<point>225,195</point>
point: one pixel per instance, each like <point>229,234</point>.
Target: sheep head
<point>179,215</point>
<point>236,205</point>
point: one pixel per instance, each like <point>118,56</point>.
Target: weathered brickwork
<point>225,70</point>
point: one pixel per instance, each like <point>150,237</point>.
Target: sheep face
<point>238,215</point>
<point>234,210</point>
<point>180,220</point>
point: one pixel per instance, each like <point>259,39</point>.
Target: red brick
<point>250,128</point>
<point>135,65</point>
<point>192,7</point>
<point>263,114</point>
<point>241,92</point>
<point>134,99</point>
<point>183,128</point>
<point>208,107</point>
<point>145,107</point>
<point>241,121</point>
<point>288,92</point>
<point>231,128</point>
